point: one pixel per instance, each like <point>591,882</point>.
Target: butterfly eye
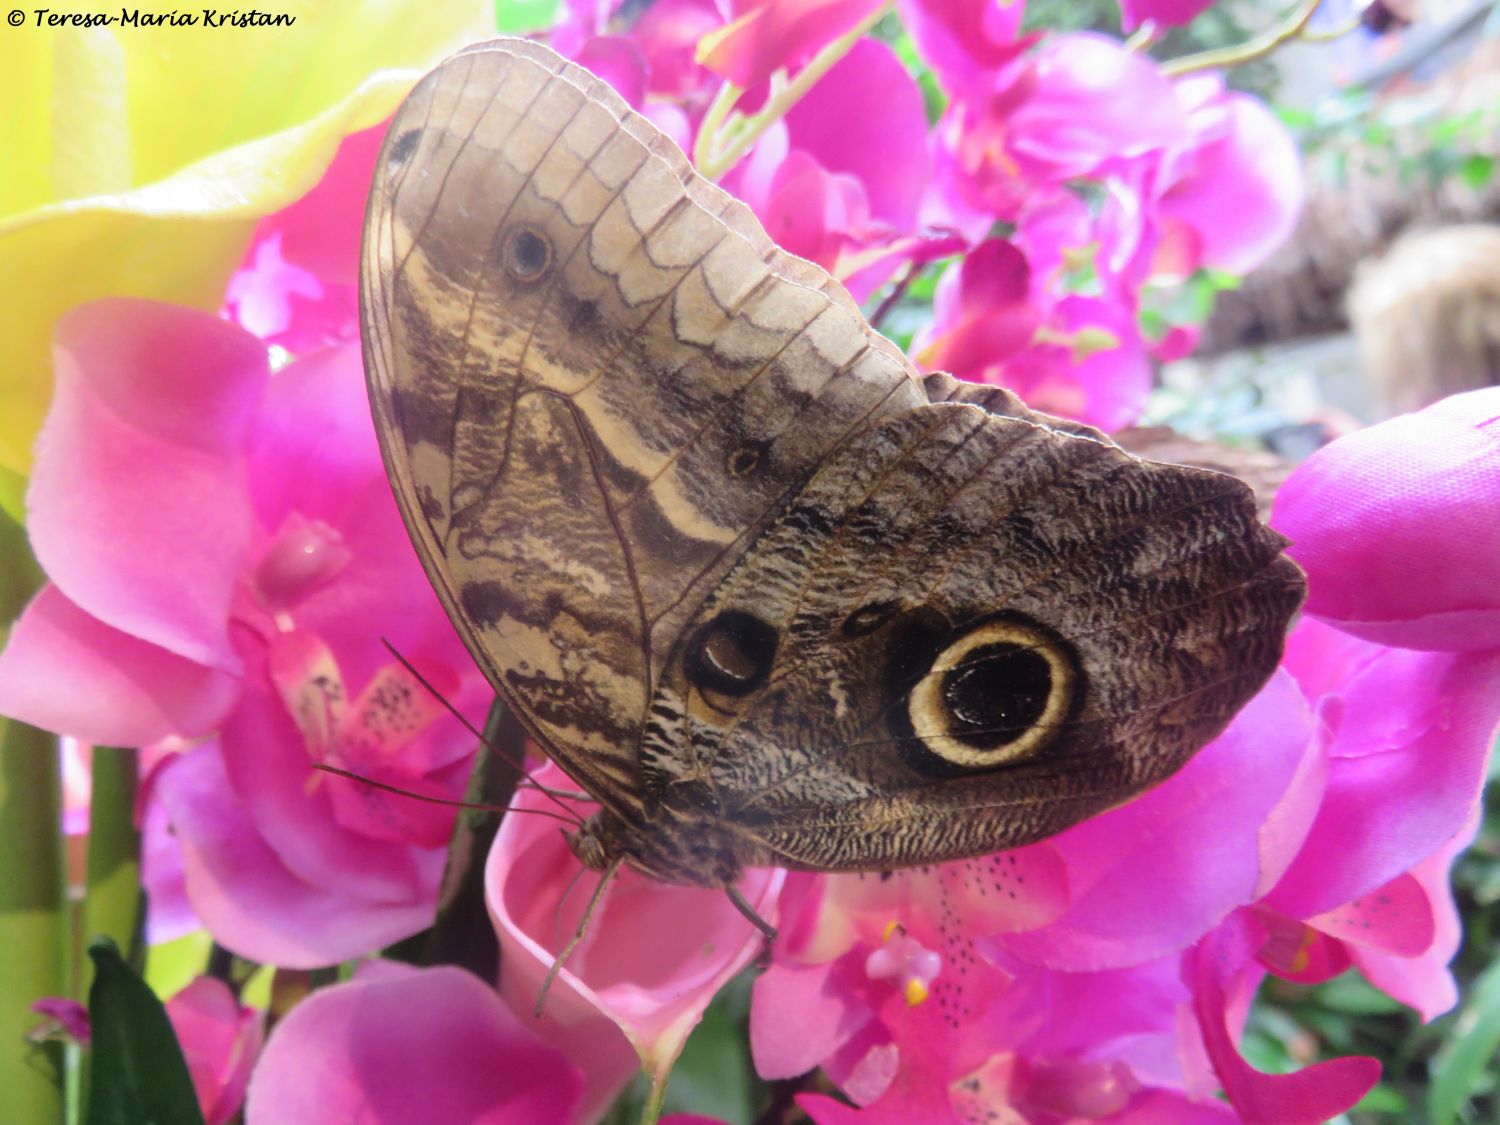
<point>732,654</point>
<point>998,693</point>
<point>527,253</point>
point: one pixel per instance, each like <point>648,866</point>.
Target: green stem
<point>114,906</point>
<point>1250,50</point>
<point>462,934</point>
<point>655,1097</point>
<point>33,885</point>
<point>720,146</point>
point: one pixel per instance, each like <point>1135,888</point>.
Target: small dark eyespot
<point>404,146</point>
<point>527,253</point>
<point>866,619</point>
<point>744,460</point>
<point>732,654</point>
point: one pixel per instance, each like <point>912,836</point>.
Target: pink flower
<point>1393,525</point>
<point>226,557</point>
<point>1233,193</point>
<point>1164,13</point>
<point>966,41</point>
<point>822,181</point>
<point>650,962</point>
<point>404,1044</point>
<point>220,1039</point>
<point>764,36</point>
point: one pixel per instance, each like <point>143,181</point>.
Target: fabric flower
<point>650,961</point>
<point>763,36</point>
<point>226,558</point>
<point>220,1039</point>
<point>1392,525</point>
<point>404,1044</point>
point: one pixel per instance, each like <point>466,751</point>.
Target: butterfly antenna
<point>583,928</point>
<point>506,752</point>
<point>574,821</point>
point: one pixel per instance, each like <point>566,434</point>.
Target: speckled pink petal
<point>66,671</point>
<point>430,1045</point>
<point>138,506</point>
<point>802,1014</point>
<point>1394,918</point>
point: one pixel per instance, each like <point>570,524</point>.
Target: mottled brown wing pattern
<point>764,592</point>
<point>1151,589</point>
<point>594,378</point>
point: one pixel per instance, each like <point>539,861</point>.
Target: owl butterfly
<point>765,592</point>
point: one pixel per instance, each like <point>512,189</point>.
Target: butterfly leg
<point>743,906</point>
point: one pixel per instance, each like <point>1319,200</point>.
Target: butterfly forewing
<point>747,579</point>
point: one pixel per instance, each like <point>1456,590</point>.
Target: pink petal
<point>429,1045</point>
<point>66,671</point>
<point>1425,982</point>
<point>1243,194</point>
<point>1306,1097</point>
<point>802,1014</point>
<point>767,35</point>
<point>249,900</point>
<point>1406,761</point>
<point>1093,102</point>
<point>965,41</point>
<point>1165,13</point>
<point>220,1041</point>
<point>650,962</point>
<point>1153,876</point>
<point>1395,918</point>
<point>863,110</point>
<point>1392,525</point>
<point>138,502</point>
<point>269,762</point>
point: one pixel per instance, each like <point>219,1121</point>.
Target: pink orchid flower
<point>225,557</point>
<point>652,958</point>
<point>1163,13</point>
<point>966,41</point>
<point>404,1044</point>
<point>763,36</point>
<point>1393,526</point>
<point>821,183</point>
<point>220,1040</point>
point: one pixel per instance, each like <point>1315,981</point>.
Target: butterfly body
<point>763,590</point>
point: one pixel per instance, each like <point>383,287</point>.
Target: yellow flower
<point>139,158</point>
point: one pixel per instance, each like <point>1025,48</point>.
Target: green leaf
<point>1476,171</point>
<point>137,1073</point>
<point>1459,1070</point>
<point>512,17</point>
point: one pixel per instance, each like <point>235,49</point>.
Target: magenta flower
<point>220,1040</point>
<point>404,1044</point>
<point>822,183</point>
<point>764,36</point>
<point>1393,526</point>
<point>225,556</point>
<point>651,961</point>
<point>966,41</point>
<point>1164,13</point>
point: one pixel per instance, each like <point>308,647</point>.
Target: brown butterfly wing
<point>595,379</point>
<point>975,626</point>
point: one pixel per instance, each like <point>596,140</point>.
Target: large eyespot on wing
<point>990,628</point>
<point>594,378</point>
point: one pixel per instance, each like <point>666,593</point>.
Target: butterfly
<point>767,593</point>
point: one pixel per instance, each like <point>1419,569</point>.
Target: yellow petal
<point>139,159</point>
